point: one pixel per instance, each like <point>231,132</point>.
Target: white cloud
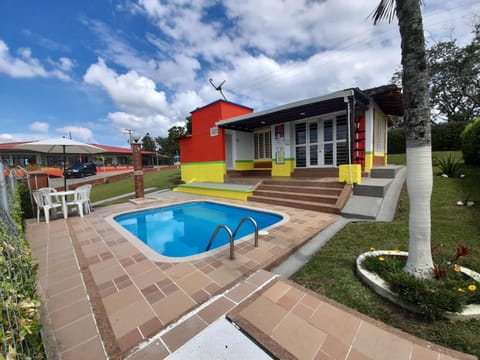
<point>6,137</point>
<point>39,126</point>
<point>77,132</point>
<point>130,91</point>
<point>26,66</point>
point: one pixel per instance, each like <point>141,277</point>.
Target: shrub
<point>450,165</point>
<point>20,336</point>
<point>447,136</point>
<point>396,141</point>
<point>471,143</point>
<point>450,292</point>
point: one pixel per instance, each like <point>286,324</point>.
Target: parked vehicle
<point>81,170</point>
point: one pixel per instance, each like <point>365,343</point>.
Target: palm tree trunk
<point>418,137</point>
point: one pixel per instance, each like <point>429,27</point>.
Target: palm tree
<point>417,127</point>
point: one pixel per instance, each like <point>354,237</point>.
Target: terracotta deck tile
<point>180,334</point>
<point>106,270</point>
<point>70,313</point>
<point>298,337</point>
<point>240,292</point>
<point>277,290</point>
<point>224,277</point>
<point>336,322</point>
<point>154,351</point>
<point>150,327</point>
<point>173,306</point>
<point>180,270</point>
<point>380,344</point>
<point>121,299</point>
<point>260,277</point>
<point>192,282</point>
<point>264,314</point>
<point>148,277</point>
<point>334,347</point>
<point>140,268</point>
<point>73,281</point>
<point>122,282</point>
<point>65,298</point>
<point>200,296</point>
<point>216,309</point>
<point>129,340</point>
<point>75,333</point>
<point>421,353</point>
<point>303,311</point>
<point>130,317</point>
<point>91,349</point>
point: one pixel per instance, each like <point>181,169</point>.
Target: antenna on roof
<point>219,88</point>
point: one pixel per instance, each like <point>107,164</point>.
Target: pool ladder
<point>232,236</point>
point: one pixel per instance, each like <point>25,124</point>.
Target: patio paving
<point>103,298</point>
<point>132,297</point>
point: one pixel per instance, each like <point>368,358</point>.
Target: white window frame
<point>262,144</point>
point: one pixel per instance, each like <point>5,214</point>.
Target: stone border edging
<point>381,287</point>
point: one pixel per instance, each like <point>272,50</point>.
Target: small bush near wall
<point>447,136</point>
<point>20,336</point>
<point>396,141</point>
<point>471,143</point>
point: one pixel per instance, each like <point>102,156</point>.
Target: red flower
<point>461,251</point>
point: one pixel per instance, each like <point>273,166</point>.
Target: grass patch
<point>164,179</point>
<point>331,271</point>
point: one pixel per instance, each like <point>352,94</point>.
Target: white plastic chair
<point>44,202</point>
<point>77,201</point>
<point>49,190</point>
<point>85,196</point>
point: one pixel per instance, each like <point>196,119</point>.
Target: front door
<point>308,144</point>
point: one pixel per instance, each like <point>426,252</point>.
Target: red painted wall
<point>200,146</point>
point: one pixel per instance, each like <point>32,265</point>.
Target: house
<point>113,156</point>
<point>344,130</point>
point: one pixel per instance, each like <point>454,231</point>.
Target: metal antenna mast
<point>219,88</point>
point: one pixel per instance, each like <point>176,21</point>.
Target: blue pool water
<point>185,229</point>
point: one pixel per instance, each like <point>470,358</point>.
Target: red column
<point>137,170</point>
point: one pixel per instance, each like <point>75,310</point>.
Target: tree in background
<point>455,78</point>
<point>148,144</point>
<point>417,129</point>
<point>170,146</point>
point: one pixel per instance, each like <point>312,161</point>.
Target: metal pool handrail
<point>222,226</point>
<point>254,225</point>
<point>232,237</point>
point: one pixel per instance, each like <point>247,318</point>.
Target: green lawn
<point>163,179</point>
<point>332,270</point>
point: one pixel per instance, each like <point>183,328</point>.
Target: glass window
<point>262,144</point>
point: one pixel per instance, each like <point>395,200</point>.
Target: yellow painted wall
<point>243,164</point>
<point>211,171</point>
<point>345,176</point>
<point>368,161</point>
<point>226,194</point>
<point>283,169</point>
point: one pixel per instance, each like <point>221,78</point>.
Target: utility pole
<point>129,132</point>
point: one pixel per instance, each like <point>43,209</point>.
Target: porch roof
<point>390,104</point>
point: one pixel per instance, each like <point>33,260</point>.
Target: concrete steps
<point>369,196</point>
<point>324,196</point>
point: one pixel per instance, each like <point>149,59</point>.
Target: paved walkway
<point>103,297</point>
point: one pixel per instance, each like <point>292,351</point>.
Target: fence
<point>19,317</point>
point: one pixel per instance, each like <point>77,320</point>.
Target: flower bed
<point>381,287</point>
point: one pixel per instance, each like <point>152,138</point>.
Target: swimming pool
<point>182,230</point>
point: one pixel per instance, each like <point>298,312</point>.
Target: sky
<point>93,69</point>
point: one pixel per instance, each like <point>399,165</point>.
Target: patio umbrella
<point>60,145</point>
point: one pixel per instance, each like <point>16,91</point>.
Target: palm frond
<point>385,10</point>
